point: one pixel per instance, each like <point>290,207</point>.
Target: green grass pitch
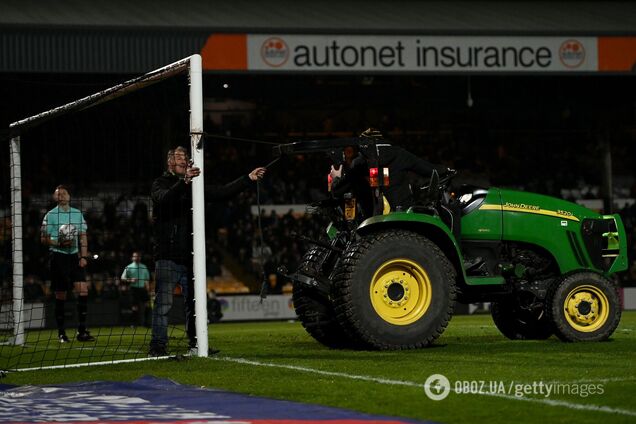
<point>279,360</point>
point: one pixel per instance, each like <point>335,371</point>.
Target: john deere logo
<point>275,52</point>
<point>572,53</point>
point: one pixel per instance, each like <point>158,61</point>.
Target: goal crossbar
<point>95,99</point>
<point>192,64</point>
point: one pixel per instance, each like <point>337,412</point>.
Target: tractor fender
<point>429,226</point>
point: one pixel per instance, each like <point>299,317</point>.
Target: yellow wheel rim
<point>400,291</point>
<point>586,308</point>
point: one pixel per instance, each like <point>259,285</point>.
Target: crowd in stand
<point>121,225</point>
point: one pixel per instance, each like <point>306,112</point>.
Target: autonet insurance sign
<point>363,53</point>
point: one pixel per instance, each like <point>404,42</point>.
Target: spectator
<point>214,265</point>
<point>33,290</point>
<point>215,312</point>
<point>274,286</point>
<point>110,289</point>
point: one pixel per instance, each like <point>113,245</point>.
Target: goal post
<point>190,66</point>
<point>16,219</point>
<point>198,205</point>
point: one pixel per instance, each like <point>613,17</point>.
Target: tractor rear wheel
<point>394,290</point>
<point>315,311</point>
<point>518,324</point>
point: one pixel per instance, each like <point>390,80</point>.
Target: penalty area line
<point>550,402</point>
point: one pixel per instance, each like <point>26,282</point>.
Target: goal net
<point>104,151</point>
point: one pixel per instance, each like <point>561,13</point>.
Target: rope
<point>246,140</point>
<point>263,292</point>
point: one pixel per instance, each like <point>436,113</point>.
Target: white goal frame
<point>190,64</point>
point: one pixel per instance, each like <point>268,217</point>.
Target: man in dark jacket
<point>399,162</point>
<point>172,222</point>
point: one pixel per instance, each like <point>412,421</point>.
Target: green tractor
<point>391,280</point>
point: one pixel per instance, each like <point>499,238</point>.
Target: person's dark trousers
<point>64,269</point>
<point>168,274</point>
<point>139,297</point>
<point>59,315</point>
<point>82,309</point>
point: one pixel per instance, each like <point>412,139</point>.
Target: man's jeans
<point>167,275</point>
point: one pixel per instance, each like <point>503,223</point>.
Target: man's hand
<point>57,243</point>
<point>191,172</point>
<point>335,173</point>
<point>257,174</point>
<point>65,243</point>
<point>48,241</point>
<point>83,262</point>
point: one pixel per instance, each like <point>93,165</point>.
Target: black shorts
<point>65,271</point>
<point>139,295</point>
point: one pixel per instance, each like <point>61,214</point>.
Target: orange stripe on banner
<point>616,54</point>
<point>225,52</point>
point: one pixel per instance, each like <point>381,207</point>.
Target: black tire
<point>358,297</point>
<point>315,311</point>
<point>518,324</point>
<point>584,306</point>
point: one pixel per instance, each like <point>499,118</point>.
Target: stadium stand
<point>233,227</point>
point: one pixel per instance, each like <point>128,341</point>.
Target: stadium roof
<point>580,17</point>
<point>122,36</point>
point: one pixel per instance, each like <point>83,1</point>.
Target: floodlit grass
<point>283,362</point>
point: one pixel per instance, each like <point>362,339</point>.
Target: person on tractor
<point>398,161</point>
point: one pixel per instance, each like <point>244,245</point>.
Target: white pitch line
<point>551,402</point>
<point>87,364</point>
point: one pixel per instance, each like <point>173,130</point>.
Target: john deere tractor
<point>390,280</point>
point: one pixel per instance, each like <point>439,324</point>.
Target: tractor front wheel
<point>584,306</point>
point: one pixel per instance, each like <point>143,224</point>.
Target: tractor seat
<point>470,197</point>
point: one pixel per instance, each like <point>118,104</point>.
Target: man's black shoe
<point>84,336</point>
<point>194,351</point>
<point>156,350</point>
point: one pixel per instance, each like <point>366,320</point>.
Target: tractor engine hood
<point>577,237</point>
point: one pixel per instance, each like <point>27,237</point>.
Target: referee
<point>64,232</point>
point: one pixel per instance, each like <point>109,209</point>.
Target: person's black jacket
<point>172,216</point>
<point>399,162</point>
